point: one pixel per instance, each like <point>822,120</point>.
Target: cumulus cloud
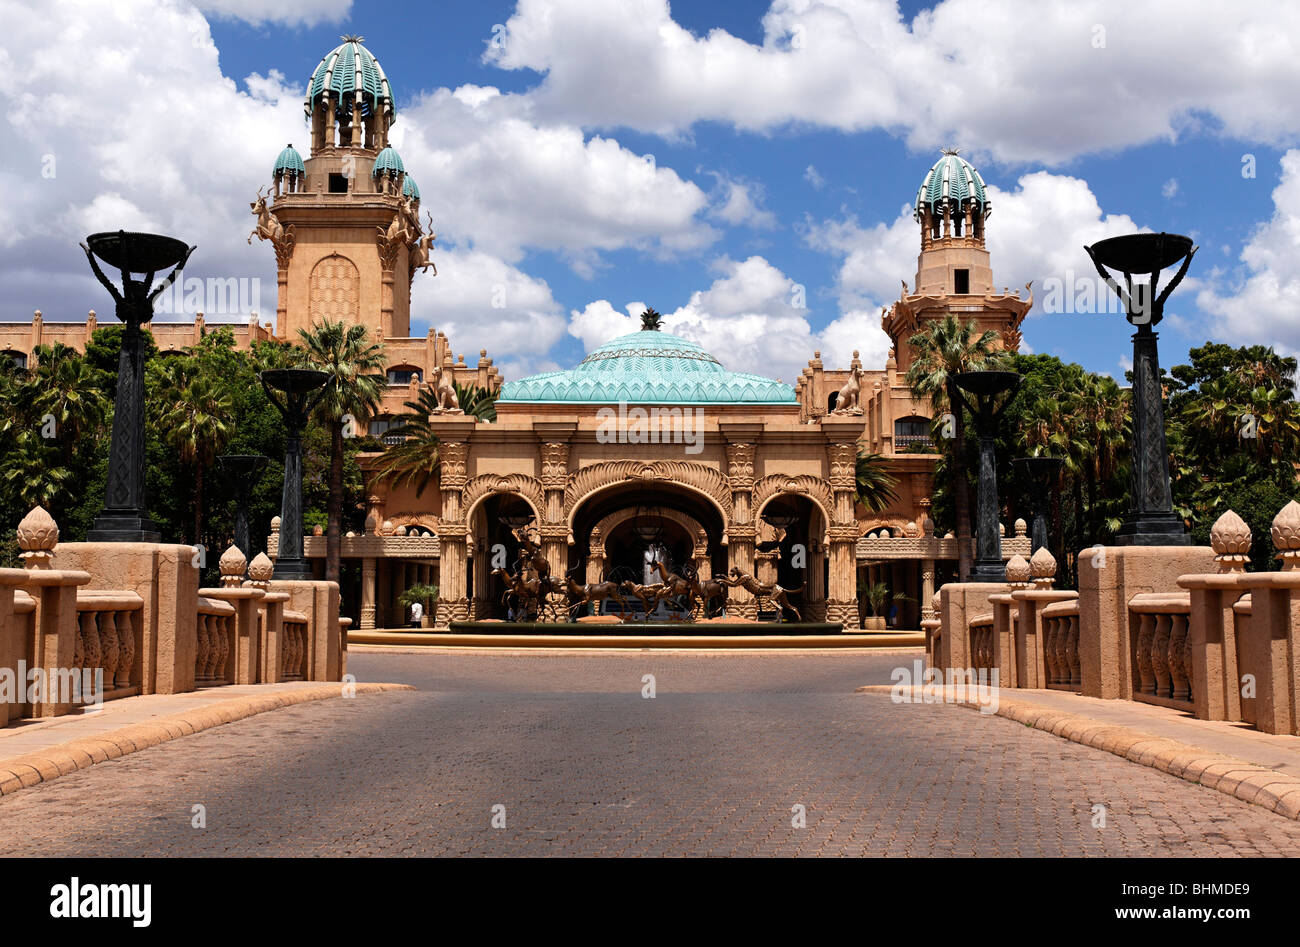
<point>1260,301</point>
<point>288,12</point>
<point>751,318</point>
<point>503,183</point>
<point>1124,74</point>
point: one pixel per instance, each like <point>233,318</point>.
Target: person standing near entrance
<point>417,613</point>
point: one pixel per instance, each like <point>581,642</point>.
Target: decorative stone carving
<point>530,488</point>
<point>555,465</point>
<point>911,530</point>
<point>1230,538</point>
<point>849,398</point>
<point>38,534</point>
<point>448,400</point>
<point>844,466</point>
<point>588,480</point>
<point>269,228</point>
<point>260,570</point>
<point>1042,564</point>
<point>1021,528</point>
<point>453,456</point>
<point>232,564</point>
<point>1286,536</point>
<point>817,489</point>
<point>740,465</point>
<point>1018,571</point>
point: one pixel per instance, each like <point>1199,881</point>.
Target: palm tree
<point>413,461</point>
<point>477,402</point>
<point>875,485</point>
<point>941,350</point>
<point>197,420</point>
<point>354,365</point>
<point>65,386</point>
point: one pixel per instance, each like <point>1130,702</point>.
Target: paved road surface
<point>583,764</point>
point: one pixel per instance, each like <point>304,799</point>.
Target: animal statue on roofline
<point>762,590</point>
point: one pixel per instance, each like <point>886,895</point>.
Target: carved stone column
<point>596,556</point>
<point>814,592</point>
<point>741,530</point>
<point>453,600</point>
<point>927,589</point>
<point>842,454</point>
<point>554,531</point>
<point>482,604</point>
<point>368,593</point>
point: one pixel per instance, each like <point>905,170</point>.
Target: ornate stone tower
<point>345,222</point>
<point>953,273</point>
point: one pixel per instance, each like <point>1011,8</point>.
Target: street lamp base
<point>123,528</point>
<point>293,569</point>
<point>988,572</point>
<point>1153,529</point>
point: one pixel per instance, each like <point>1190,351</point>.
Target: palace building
<point>648,447</point>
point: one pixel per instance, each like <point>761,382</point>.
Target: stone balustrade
<point>1059,639</point>
<point>1162,654</point>
<point>981,642</point>
<point>110,639</point>
<point>111,620</point>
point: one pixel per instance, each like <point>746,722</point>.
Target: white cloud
<point>750,320</point>
<point>813,177</point>
<point>740,203</point>
<point>1262,304</point>
<point>482,302</point>
<point>1123,74</point>
<point>1169,188</point>
<point>289,12</point>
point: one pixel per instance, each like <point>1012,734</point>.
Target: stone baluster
<point>1146,634</point>
<point>1072,650</point>
<point>108,647</point>
<point>1160,656</point>
<point>1177,655</point>
<point>201,650</point>
<point>125,649</point>
<point>92,657</point>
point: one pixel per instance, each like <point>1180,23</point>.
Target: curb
<point>1249,782</point>
<point>42,766</point>
<point>415,639</point>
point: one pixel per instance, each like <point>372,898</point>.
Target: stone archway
<point>610,522</point>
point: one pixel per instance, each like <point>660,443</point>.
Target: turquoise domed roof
<point>390,161</point>
<point>289,162</point>
<point>346,69</point>
<point>410,188</point>
<point>952,179</point>
<point>648,367</point>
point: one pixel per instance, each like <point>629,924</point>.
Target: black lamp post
<point>1151,520</point>
<point>123,519</point>
<point>1041,473</point>
<point>245,470</point>
<point>985,387</point>
<point>297,385</point>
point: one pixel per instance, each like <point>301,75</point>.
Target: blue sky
<point>1080,140</point>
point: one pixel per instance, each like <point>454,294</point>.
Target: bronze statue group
<point>536,592</point>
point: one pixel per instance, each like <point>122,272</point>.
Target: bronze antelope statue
<point>676,586</point>
<point>762,590</point>
<point>708,590</point>
<point>594,592</point>
<point>648,595</point>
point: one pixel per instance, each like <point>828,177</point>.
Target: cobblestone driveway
<point>714,764</point>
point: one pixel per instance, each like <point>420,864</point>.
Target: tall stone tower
<point>345,222</point>
<point>953,273</point>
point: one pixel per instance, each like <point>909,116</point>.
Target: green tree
<point>413,460</point>
<point>944,348</point>
<point>196,414</point>
<point>355,384</point>
<point>874,484</point>
<point>480,403</point>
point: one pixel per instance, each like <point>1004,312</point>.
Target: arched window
<point>912,434</point>
<point>18,358</point>
<point>831,401</point>
<point>334,290</point>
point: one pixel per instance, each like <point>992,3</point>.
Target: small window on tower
<point>961,282</point>
<point>338,184</point>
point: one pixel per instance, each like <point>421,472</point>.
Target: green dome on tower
<point>953,180</point>
<point>647,367</point>
<point>410,188</point>
<point>345,70</point>
<point>289,162</point>
<point>388,161</point>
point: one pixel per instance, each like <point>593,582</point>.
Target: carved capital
<point>452,456</point>
<point>740,465</point>
<point>555,465</point>
<point>844,465</point>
